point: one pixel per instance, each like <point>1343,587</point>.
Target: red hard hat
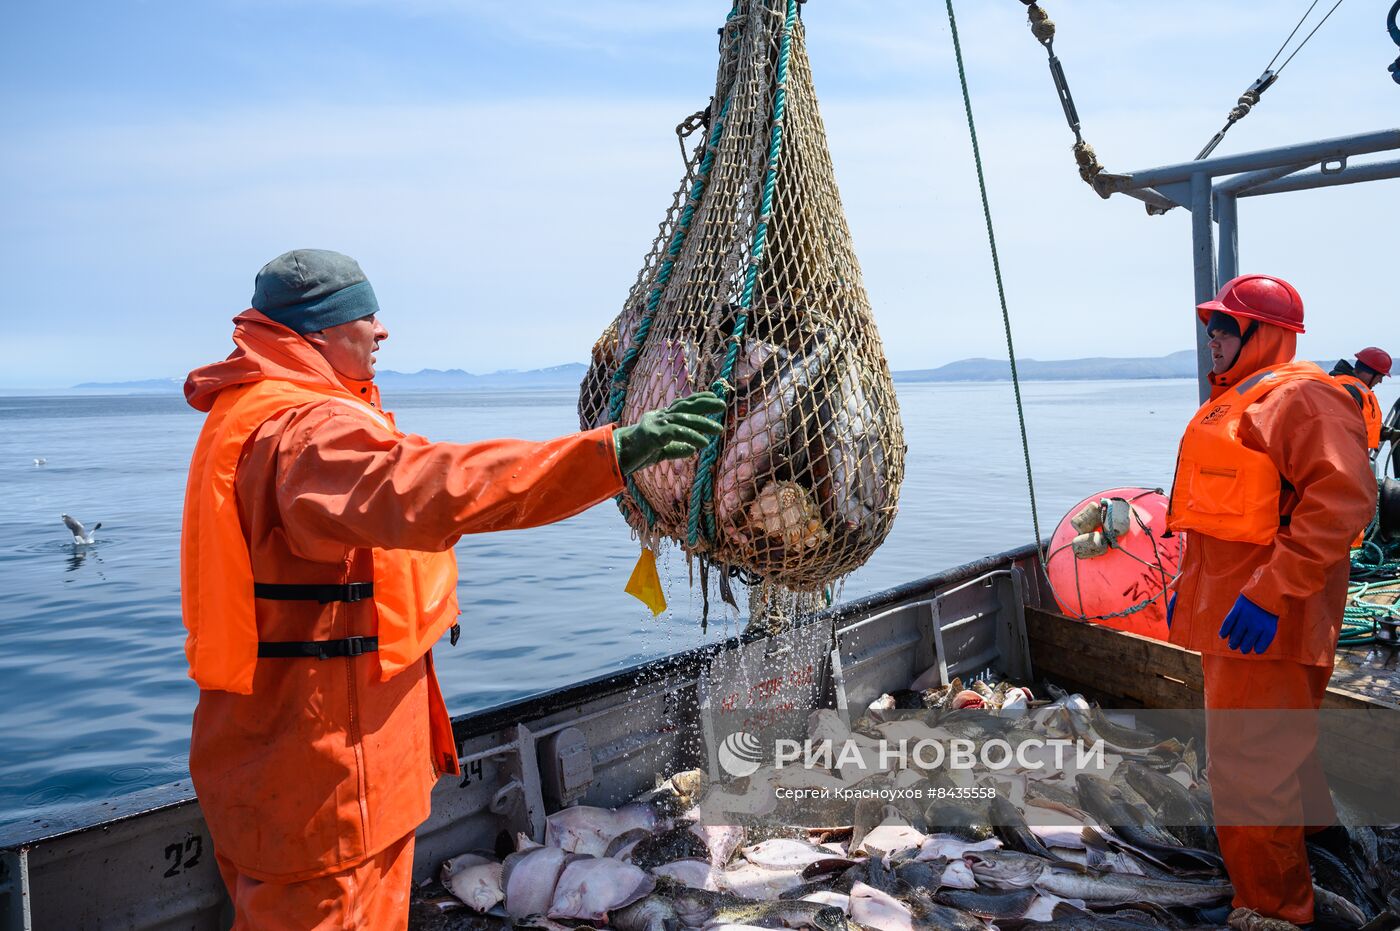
<point>1258,297</point>
<point>1377,359</point>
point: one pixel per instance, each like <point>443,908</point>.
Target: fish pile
<point>1127,846</point>
<point>763,297</point>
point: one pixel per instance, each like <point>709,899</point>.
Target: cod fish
<point>1010,870</point>
<point>858,491</point>
<point>679,843</point>
<point>1013,903</point>
<point>474,879</point>
<point>1333,910</point>
<point>1011,827</point>
<point>653,913</point>
<point>1176,809</point>
<point>697,909</point>
<point>1105,802</point>
<point>589,887</point>
<point>761,429</point>
<point>930,914</point>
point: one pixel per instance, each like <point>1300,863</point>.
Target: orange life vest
<point>1223,488</point>
<point>415,593</point>
<point>1370,407</point>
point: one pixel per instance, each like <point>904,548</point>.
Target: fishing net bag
<point>752,289</point>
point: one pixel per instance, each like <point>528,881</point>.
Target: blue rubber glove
<point>1249,627</point>
<point>1171,607</point>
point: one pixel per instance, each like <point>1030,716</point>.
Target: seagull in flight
<point>80,533</point>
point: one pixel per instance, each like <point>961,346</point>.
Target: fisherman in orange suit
<point>1360,379</point>
<point>316,575</point>
<point>1272,484</point>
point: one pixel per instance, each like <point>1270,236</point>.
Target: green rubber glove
<point>678,431</point>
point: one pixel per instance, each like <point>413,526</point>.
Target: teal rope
<point>703,487</point>
<point>996,267</point>
<point>1361,618</point>
<point>622,376</point>
<point>618,396</point>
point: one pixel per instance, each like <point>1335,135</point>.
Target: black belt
<point>321,649</point>
<point>325,594</point>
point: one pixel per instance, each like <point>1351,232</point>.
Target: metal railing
<point>1194,186</point>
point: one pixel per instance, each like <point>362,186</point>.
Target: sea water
<point>94,697</point>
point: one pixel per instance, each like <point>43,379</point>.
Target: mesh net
<point>752,288</point>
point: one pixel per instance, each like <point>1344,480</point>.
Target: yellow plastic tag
<point>645,585</point>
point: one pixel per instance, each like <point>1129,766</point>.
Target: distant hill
<point>1176,365</point>
<point>558,376</point>
<point>148,384</point>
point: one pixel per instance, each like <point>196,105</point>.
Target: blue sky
<point>498,168</point>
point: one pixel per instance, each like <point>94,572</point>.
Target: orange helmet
<point>1377,360</point>
<point>1258,297</point>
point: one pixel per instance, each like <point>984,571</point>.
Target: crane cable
<point>1266,79</point>
<point>1043,28</point>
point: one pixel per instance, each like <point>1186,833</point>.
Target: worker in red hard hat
<point>1272,484</point>
<point>1360,379</point>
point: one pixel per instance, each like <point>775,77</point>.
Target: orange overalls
<point>1266,781</point>
<point>314,773</point>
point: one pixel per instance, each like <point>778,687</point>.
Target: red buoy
<point>1111,558</point>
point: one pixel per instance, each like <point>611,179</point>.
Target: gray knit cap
<point>312,289</point>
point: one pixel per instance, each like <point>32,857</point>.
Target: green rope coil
<point>703,488</point>
<point>1360,618</point>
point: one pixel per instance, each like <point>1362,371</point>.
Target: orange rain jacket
<point>1222,487</point>
<point>1313,434</point>
<point>326,763</point>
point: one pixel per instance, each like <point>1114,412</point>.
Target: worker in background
<point>317,573</point>
<point>1360,380</point>
<point>1272,484</point>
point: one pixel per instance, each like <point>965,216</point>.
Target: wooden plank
<point>1089,653</point>
<point>1125,669</point>
<point>1147,671</point>
<point>1353,678</point>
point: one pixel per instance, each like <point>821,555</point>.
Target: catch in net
<point>752,289</point>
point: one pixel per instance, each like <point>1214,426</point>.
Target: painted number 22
<point>184,856</point>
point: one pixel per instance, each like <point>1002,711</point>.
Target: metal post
<point>1227,265</point>
<point>1203,253</point>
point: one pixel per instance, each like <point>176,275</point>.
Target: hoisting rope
<point>1266,79</point>
<point>1043,28</point>
<point>996,268</point>
<point>703,488</point>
